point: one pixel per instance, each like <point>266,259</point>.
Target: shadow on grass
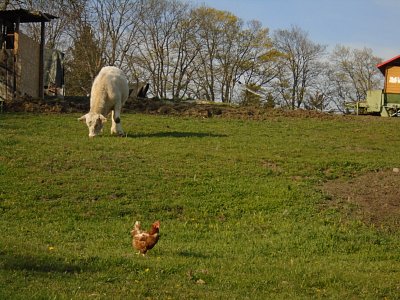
<point>191,254</point>
<point>44,264</point>
<point>176,134</point>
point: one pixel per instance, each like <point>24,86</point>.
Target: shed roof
<point>395,61</point>
<point>25,16</point>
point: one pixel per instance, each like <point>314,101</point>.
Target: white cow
<point>109,93</point>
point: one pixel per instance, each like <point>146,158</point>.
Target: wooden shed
<point>21,59</point>
<point>386,101</point>
<point>391,70</point>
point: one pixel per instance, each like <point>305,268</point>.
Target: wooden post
<point>16,69</point>
<point>41,61</point>
<point>16,37</point>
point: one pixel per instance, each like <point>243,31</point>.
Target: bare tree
<point>162,35</point>
<point>184,52</point>
<point>84,55</point>
<point>320,94</point>
<point>102,33</point>
<point>55,30</point>
<point>352,73</point>
<point>116,23</point>
<point>300,64</point>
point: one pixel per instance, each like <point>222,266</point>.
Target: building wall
<point>28,66</point>
<point>25,69</point>
<point>6,74</point>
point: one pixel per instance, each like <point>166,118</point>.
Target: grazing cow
<point>109,93</point>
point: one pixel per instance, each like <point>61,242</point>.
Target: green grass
<point>239,204</point>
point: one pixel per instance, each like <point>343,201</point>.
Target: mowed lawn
<point>240,203</point>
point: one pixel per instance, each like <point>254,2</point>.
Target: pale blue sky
<point>373,24</point>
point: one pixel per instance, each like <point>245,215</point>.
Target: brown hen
<point>145,240</point>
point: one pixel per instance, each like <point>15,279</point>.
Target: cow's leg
<point>116,127</point>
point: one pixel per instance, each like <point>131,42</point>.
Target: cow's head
<point>94,122</point>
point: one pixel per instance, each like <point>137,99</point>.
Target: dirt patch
<point>373,198</point>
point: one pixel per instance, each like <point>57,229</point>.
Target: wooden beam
<point>16,37</point>
<point>41,60</point>
<point>16,70</point>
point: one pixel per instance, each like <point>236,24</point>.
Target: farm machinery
<point>379,102</point>
<point>384,102</point>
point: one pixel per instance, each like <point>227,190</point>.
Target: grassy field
<point>239,204</point>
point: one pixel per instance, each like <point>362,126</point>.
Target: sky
<point>354,23</point>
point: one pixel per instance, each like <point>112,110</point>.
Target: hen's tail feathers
<point>137,225</point>
<point>136,229</point>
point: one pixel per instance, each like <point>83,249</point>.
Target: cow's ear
<point>83,118</point>
<point>102,118</point>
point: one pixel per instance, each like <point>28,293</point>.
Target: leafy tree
<point>246,52</point>
<point>207,37</point>
<point>228,50</point>
<point>184,52</point>
<point>86,61</point>
<point>4,4</point>
<point>251,95</point>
